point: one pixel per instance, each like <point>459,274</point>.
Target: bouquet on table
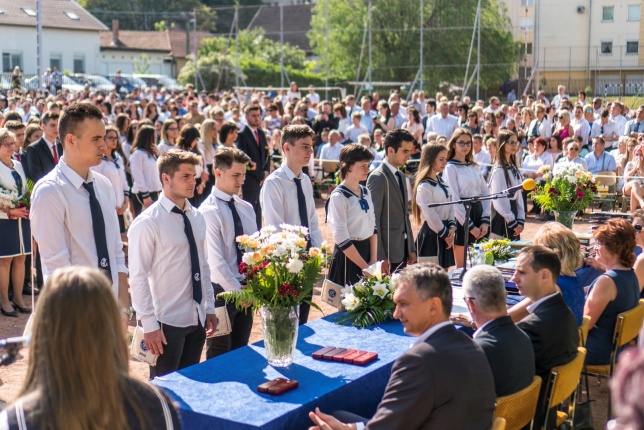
<point>567,188</point>
<point>369,301</point>
<point>498,249</point>
<point>280,274</point>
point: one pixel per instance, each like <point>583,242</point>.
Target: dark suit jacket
<point>39,160</point>
<point>444,382</point>
<point>552,328</point>
<point>258,154</point>
<point>385,194</point>
<point>509,352</point>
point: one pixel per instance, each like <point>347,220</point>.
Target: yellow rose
<point>314,252</point>
<point>300,242</point>
<point>243,239</point>
<point>256,257</point>
<point>253,243</point>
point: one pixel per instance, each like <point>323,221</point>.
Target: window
<point>632,47</point>
<point>527,2</point>
<point>72,15</point>
<point>526,23</point>
<point>607,48</point>
<point>10,60</point>
<point>79,63</point>
<point>56,60</point>
<point>29,12</point>
<point>634,13</point>
<point>528,48</point>
<point>608,13</point>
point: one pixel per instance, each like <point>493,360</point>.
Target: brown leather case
<point>329,355</point>
<point>263,388</point>
<point>365,358</point>
<point>349,358</point>
<point>320,352</point>
<point>340,357</point>
<point>283,387</point>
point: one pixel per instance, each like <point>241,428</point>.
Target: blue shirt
<point>604,162</point>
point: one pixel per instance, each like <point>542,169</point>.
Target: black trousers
<point>305,308</point>
<point>137,201</point>
<point>183,349</point>
<point>241,324</point>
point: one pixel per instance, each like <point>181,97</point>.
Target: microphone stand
<point>468,203</point>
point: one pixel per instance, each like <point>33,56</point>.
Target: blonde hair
<point>563,241</point>
<point>206,137</point>
<point>78,359</point>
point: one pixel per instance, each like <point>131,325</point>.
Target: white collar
<point>430,331</point>
<point>533,307</point>
<point>221,195</point>
<point>289,173</point>
<point>478,330</point>
<point>73,177</point>
<point>391,168</point>
<point>168,204</point>
<point>48,142</point>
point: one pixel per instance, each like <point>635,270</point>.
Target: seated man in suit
<point>444,381</point>
<point>551,325</point>
<point>507,348</point>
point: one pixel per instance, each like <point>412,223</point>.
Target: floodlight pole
<point>39,66</point>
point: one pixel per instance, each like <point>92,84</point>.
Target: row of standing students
<point>445,174</point>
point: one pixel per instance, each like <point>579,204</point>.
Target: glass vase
<point>566,218</point>
<point>280,325</point>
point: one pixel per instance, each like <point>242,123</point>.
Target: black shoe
<point>21,309</point>
<point>12,314</point>
<point>26,291</point>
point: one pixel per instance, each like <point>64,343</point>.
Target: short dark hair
<point>188,134</point>
<point>543,258</point>
<point>73,117</point>
<point>170,161</point>
<point>226,129</point>
<point>395,138</point>
<point>225,157</point>
<point>351,154</point>
<point>429,280</point>
<point>12,115</point>
<point>291,133</point>
<point>250,108</point>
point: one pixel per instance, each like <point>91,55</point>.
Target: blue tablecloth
<point>221,393</point>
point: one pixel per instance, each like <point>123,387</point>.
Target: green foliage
<point>368,302</point>
<point>160,26</point>
<point>567,188</point>
<point>396,45</point>
<point>217,70</point>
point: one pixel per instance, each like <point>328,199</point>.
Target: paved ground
<point>11,377</point>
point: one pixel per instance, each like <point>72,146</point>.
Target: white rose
<point>248,258</point>
<point>294,265</point>
<point>350,302</point>
<point>571,179</point>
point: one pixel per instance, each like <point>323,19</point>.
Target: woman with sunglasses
<point>614,292</point>
<point>472,124</point>
<point>563,129</point>
<point>634,179</point>
<point>508,213</point>
<point>351,215</point>
<point>463,176</point>
<point>436,236</point>
<point>572,156</point>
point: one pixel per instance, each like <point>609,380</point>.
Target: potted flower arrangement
<point>568,189</point>
<point>280,274</point>
<point>496,250</point>
<point>369,301</point>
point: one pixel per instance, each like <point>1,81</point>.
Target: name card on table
<point>332,294</point>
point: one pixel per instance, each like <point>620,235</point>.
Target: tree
<point>395,33</point>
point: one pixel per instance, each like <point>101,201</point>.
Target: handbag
<point>29,327</point>
<point>223,322</point>
<point>166,408</point>
<point>138,348</point>
<point>331,293</point>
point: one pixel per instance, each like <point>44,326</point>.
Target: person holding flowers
<point>228,217</point>
<point>14,227</point>
<point>436,236</point>
<point>352,218</point>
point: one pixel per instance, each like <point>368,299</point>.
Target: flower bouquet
<point>11,199</point>
<point>280,274</point>
<point>499,248</point>
<point>369,301</point>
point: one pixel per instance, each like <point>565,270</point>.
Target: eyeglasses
<point>573,149</point>
<point>637,227</point>
<point>463,143</point>
<point>588,111</point>
<point>111,138</point>
<point>173,128</point>
<point>513,142</point>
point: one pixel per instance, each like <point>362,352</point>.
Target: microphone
<point>528,185</point>
<point>13,342</point>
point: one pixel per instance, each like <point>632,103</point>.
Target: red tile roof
<point>129,40</point>
<point>54,16</point>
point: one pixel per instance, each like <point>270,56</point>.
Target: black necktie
<point>400,184</point>
<point>301,203</point>
<point>194,256</point>
<point>535,130</point>
<point>239,228</point>
<point>98,225</point>
<point>637,127</point>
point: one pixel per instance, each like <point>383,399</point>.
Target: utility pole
<point>39,42</point>
<point>420,85</point>
<point>478,55</point>
<point>237,45</point>
<point>326,77</point>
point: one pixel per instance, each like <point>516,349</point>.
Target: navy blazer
<point>39,160</point>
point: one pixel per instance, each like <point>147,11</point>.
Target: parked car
<point>129,82</point>
<point>96,82</point>
<point>161,81</point>
<point>68,84</point>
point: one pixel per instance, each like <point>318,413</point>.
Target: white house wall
<point>113,60</point>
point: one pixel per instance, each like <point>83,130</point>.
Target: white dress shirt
<point>160,267</point>
<point>220,236</point>
<point>114,171</point>
<point>349,222</point>
<point>442,126</point>
<point>483,159</point>
<point>61,222</point>
<point>278,198</point>
<point>165,147</point>
<point>328,152</point>
<point>581,128</point>
<point>430,191</point>
<point>144,173</point>
<point>465,180</point>
<point>608,130</point>
<point>544,128</point>
<point>498,183</point>
<point>532,163</point>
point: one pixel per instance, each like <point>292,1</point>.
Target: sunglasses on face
<point>463,143</point>
<point>637,227</point>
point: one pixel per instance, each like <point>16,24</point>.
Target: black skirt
<point>343,271</point>
<point>431,245</point>
<point>475,216</point>
<point>16,237</point>
<point>500,227</point>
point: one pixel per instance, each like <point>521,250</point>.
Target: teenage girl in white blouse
<point>143,164</point>
<point>463,176</point>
